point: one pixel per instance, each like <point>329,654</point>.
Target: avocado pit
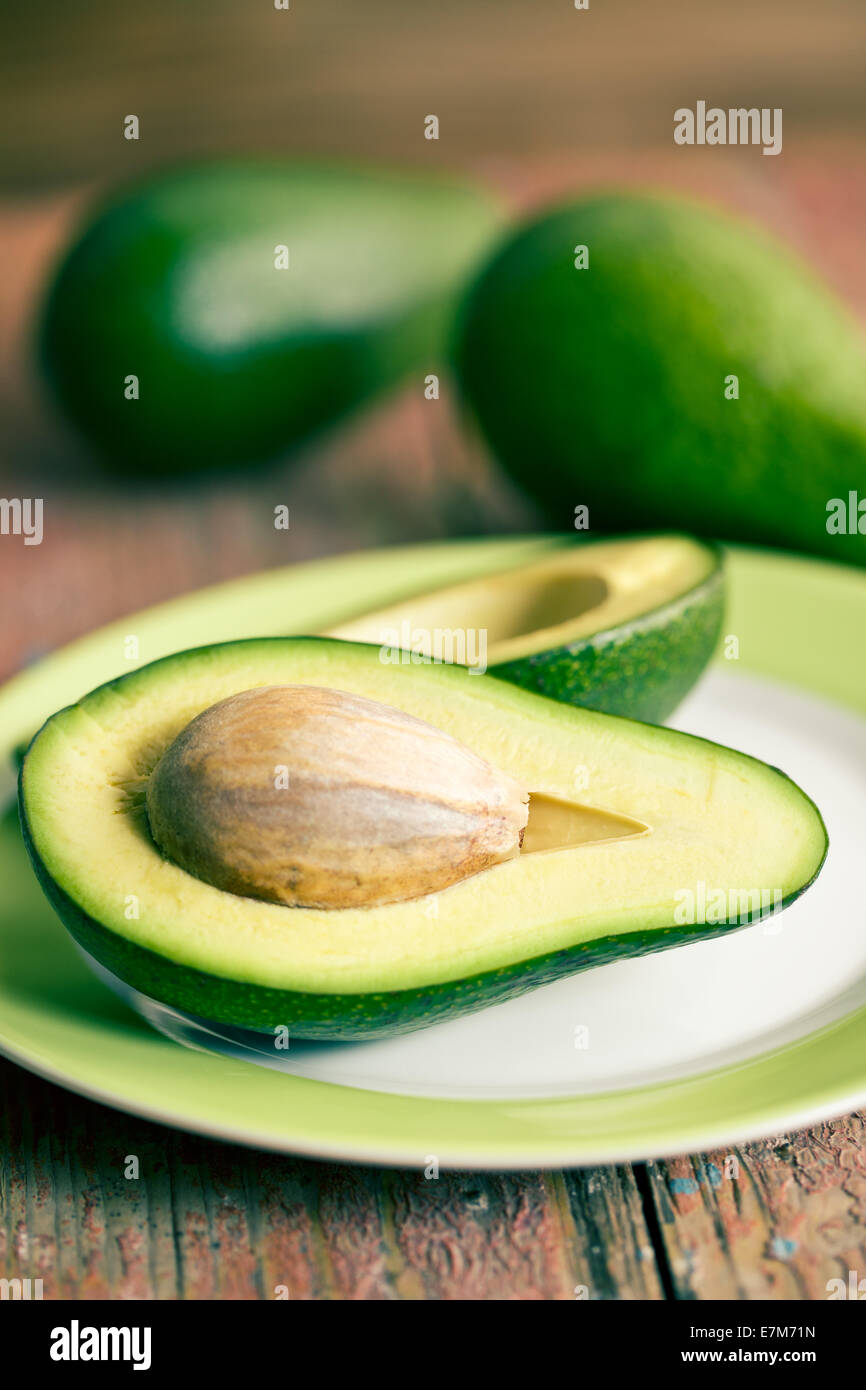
<point>319,798</point>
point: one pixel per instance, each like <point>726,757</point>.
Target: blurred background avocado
<point>538,104</point>
<point>253,302</point>
<point>682,370</point>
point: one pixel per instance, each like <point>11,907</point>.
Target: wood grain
<point>208,1221</point>
<point>777,1220</point>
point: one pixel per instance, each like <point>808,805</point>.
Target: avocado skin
<point>347,1017</point>
<point>174,281</point>
<point>642,669</point>
<point>605,386</point>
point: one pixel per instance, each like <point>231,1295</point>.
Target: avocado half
<point>625,626</point>
<point>628,823</point>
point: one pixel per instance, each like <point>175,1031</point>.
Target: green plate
<point>796,621</point>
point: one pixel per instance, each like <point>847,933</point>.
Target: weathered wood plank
<point>608,1215</point>
<point>778,1219</point>
<point>206,1221</point>
<point>462,1236</point>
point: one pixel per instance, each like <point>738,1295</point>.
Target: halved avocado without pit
<point>638,839</point>
<point>625,626</point>
<point>639,659</point>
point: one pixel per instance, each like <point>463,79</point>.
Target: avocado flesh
<point>177,280</point>
<point>616,375</point>
<point>704,814</point>
<point>624,626</point>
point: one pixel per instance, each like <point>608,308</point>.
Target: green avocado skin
<point>346,1017</point>
<point>174,281</point>
<point>642,669</point>
<point>605,386</point>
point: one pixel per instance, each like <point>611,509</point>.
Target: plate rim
<point>689,1138</point>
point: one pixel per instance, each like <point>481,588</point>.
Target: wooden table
<point>776,1219</point>
<point>210,1221</point>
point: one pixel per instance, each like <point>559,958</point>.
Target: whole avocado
<point>694,374</point>
<point>253,302</point>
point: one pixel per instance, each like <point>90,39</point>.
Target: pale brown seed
<point>379,806</point>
